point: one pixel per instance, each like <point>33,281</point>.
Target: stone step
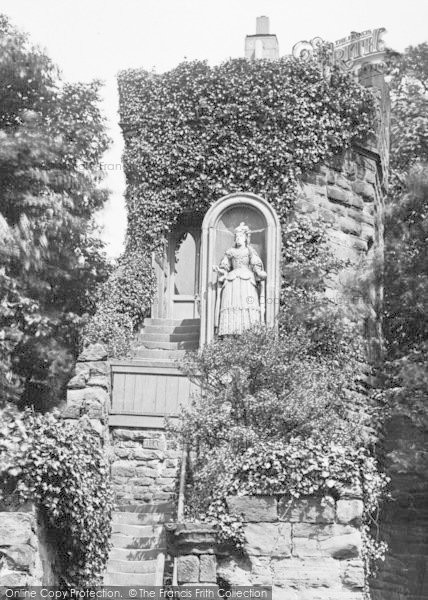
<point>171,329</point>
<point>135,518</point>
<point>173,322</point>
<point>147,362</point>
<point>147,507</point>
<point>170,345</point>
<point>132,566</point>
<point>136,554</point>
<point>120,540</point>
<point>168,337</point>
<point>158,354</point>
<point>140,531</point>
<point>124,579</point>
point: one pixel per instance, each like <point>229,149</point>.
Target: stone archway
<point>217,228</point>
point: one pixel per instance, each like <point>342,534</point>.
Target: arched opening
<point>218,236</point>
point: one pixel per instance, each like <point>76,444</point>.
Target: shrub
<point>124,300</point>
<point>61,466</point>
<point>111,328</point>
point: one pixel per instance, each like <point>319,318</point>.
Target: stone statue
<point>240,304</point>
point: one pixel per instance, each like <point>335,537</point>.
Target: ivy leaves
<point>61,466</point>
<point>196,133</point>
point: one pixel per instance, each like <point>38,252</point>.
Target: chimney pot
<point>262,26</point>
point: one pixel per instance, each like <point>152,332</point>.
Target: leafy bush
<point>259,385</point>
<point>61,466</point>
<point>112,329</point>
<point>124,300</point>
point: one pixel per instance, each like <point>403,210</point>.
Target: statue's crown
<point>242,228</point>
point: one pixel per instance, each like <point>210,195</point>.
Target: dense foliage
<point>123,302</point>
<point>52,136</point>
<point>61,466</point>
<point>197,132</point>
<point>408,75</point>
<point>406,236</point>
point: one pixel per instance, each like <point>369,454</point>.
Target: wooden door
<point>184,274</point>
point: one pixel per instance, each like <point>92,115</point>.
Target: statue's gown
<point>239,300</point>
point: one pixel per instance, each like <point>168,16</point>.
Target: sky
<point>95,39</point>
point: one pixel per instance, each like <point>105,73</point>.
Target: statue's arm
<point>223,268</point>
<point>257,265</point>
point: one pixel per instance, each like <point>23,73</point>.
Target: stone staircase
<point>171,338</point>
<point>137,556</point>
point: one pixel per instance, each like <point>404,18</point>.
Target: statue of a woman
<point>238,299</point>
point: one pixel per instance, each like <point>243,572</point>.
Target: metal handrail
<point>180,504</point>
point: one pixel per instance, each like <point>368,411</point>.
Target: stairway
<point>171,336</point>
<point>137,556</point>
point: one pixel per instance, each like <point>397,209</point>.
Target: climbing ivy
<point>62,468</point>
<point>198,132</point>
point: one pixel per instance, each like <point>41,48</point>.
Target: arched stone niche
<point>217,235</point>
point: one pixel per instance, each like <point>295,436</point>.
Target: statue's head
<point>242,235</point>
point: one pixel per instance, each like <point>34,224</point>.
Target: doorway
<point>184,261</point>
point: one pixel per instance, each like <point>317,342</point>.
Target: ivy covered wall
<point>197,133</point>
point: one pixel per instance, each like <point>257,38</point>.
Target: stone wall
<point>404,574</point>
<point>307,549</point>
<point>145,466</point>
<point>347,196</point>
<point>88,391</point>
<point>26,556</point>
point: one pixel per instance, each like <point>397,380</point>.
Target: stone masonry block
<point>147,454</point>
<point>353,574</point>
<point>350,511</point>
<point>123,468</point>
<point>343,182</point>
<point>306,510</point>
<point>92,368</point>
<point>343,546</point>
<point>91,401</point>
<point>268,539</point>
<point>92,353</point>
<point>207,568</point>
<point>77,382</point>
<point>253,508</point>
<point>336,541</point>
<point>336,194</point>
<point>304,574</point>
<point>188,569</point>
<point>99,381</point>
<point>349,225</point>
<point>365,190</point>
<point>14,579</point>
<point>20,556</point>
<point>15,528</point>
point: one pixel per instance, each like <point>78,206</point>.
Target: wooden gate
<point>143,394</point>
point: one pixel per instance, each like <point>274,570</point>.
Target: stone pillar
<point>88,390</point>
<point>194,546</point>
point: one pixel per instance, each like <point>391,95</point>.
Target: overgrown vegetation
<point>286,412</point>
<point>123,302</point>
<point>62,468</point>
<point>406,231</point>
<point>199,132</point>
<point>52,136</point>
